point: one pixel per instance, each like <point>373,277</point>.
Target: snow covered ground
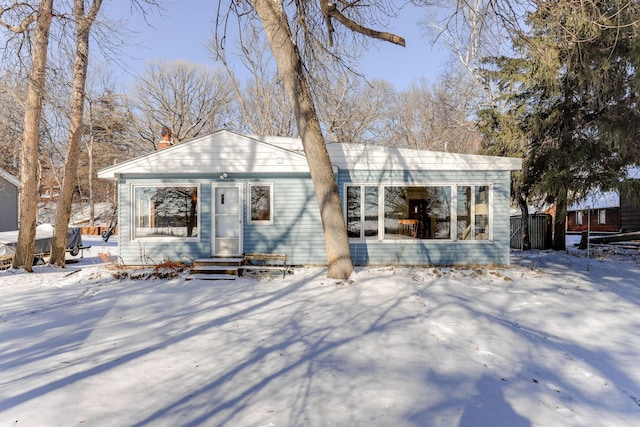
<point>545,342</point>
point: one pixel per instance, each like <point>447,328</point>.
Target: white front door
<point>227,219</point>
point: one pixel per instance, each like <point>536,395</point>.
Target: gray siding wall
<point>437,252</point>
<point>8,206</point>
<point>297,229</point>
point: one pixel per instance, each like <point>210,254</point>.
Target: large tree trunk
<point>290,67</point>
<point>524,222</point>
<point>65,201</point>
<point>30,144</point>
<point>559,232</point>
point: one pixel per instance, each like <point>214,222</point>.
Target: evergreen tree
<point>572,93</point>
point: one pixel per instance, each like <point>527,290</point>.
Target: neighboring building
<point>9,189</point>
<point>605,212</point>
<point>227,194</point>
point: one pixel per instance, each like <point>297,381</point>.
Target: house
<point>605,211</point>
<point>9,189</point>
<point>226,194</point>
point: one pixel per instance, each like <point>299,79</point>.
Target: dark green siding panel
<point>8,206</point>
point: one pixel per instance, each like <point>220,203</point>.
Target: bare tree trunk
<point>559,232</point>
<point>524,220</point>
<point>288,59</point>
<point>63,209</point>
<point>92,207</point>
<point>30,144</point>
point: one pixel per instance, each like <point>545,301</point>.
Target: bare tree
<point>11,121</point>
<point>313,19</point>
<point>436,117</point>
<point>262,105</point>
<point>42,16</point>
<point>191,100</point>
<point>83,22</point>
<point>354,110</point>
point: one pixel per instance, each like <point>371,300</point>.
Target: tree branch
<point>330,10</point>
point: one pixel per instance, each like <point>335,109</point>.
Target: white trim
<point>240,187</point>
<point>453,231</point>
<point>10,178</point>
<point>269,221</point>
<point>225,151</point>
<point>132,212</point>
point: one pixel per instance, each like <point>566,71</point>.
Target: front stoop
<point>215,269</point>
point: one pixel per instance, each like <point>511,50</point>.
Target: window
<point>418,212</point>
<point>165,212</point>
<point>463,228</point>
<point>481,213</point>
<point>260,203</point>
<point>578,217</point>
<point>602,216</point>
<point>362,212</point>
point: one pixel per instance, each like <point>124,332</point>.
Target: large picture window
<point>165,212</point>
<point>261,203</point>
<point>443,212</point>
<point>417,212</point>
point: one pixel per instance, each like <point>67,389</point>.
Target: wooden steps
<point>230,268</point>
<point>215,269</point>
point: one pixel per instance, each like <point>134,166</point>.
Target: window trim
<point>271,219</point>
<point>453,236</point>
<point>602,216</point>
<point>132,213</point>
<point>362,188</point>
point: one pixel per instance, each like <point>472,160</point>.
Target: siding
<point>8,205</point>
<point>297,230</point>
<point>612,217</point>
<point>629,216</point>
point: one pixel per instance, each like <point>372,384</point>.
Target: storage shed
<point>9,188</point>
<point>226,194</point>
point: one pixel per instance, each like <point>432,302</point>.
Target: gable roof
<point>10,178</point>
<point>226,151</point>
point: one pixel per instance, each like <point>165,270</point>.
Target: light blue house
<point>226,194</point>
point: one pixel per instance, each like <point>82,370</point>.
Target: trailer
<point>44,236</point>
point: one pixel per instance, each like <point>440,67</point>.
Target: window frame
<point>133,211</point>
<point>362,187</point>
<point>602,216</point>
<point>271,219</point>
<point>453,214</point>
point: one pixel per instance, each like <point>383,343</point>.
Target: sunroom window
<point>362,212</point>
<point>473,212</point>
<point>418,212</point>
<point>166,212</point>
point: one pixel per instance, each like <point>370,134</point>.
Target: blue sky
<point>184,28</point>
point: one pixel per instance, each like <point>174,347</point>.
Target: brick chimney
<point>165,142</point>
